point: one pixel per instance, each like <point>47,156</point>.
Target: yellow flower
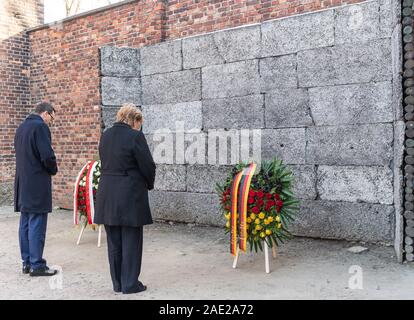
<point>258,227</point>
<point>254,232</point>
<point>249,220</point>
<point>227,215</point>
<point>279,225</point>
<point>228,224</point>
<point>261,215</point>
<point>270,219</point>
<point>277,219</point>
<point>253,216</point>
<point>268,232</point>
<point>262,234</point>
<point>266,221</point>
<point>257,221</point>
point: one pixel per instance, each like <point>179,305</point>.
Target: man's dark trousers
<point>32,236</point>
<point>125,256</point>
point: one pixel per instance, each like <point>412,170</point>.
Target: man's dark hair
<point>44,106</point>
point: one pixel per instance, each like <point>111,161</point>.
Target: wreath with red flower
<point>271,204</point>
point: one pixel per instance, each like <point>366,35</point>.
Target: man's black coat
<point>128,172</point>
<point>35,164</point>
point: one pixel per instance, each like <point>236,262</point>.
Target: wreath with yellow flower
<point>271,205</point>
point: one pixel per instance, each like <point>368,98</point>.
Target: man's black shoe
<point>44,272</point>
<point>26,270</point>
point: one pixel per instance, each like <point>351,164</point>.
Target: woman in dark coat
<point>128,172</point>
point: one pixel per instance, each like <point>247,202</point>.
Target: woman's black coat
<point>128,172</point>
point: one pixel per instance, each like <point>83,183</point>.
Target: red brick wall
<point>15,17</point>
<point>65,60</point>
<point>188,17</point>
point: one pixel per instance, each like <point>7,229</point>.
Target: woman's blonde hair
<point>129,113</point>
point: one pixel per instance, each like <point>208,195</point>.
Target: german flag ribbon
<point>239,197</point>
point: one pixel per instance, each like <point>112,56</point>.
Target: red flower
<point>82,202</point>
<point>260,202</point>
<point>268,196</point>
<point>277,197</point>
<point>252,193</point>
<point>227,207</point>
<point>268,206</point>
<point>279,203</point>
<point>271,203</point>
<point>255,210</point>
<point>278,209</point>
<point>251,200</point>
<point>260,194</point>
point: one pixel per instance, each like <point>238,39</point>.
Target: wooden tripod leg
<point>99,235</point>
<point>274,249</point>
<point>236,258</point>
<point>80,234</point>
<point>266,257</point>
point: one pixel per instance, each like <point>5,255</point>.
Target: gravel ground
<point>192,262</point>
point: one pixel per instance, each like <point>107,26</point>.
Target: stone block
<point>109,116</point>
<point>355,184</point>
<point>301,32</point>
<point>357,23</point>
<point>231,80</point>
<point>161,58</point>
<point>278,72</point>
<point>203,178</point>
<point>234,113</point>
<point>345,64</point>
<point>172,117</point>
<point>285,144</point>
<point>287,108</point>
<point>116,91</point>
<point>190,207</point>
<point>304,185</point>
<point>174,87</point>
<point>170,178</point>
<point>120,62</point>
<point>369,144</point>
<point>352,104</point>
<point>344,220</point>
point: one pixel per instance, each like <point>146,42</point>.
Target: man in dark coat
<point>35,164</point>
<point>128,172</point>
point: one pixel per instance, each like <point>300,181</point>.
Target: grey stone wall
<point>325,90</point>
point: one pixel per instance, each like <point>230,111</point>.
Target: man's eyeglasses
<point>51,116</point>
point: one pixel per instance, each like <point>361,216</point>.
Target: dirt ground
<point>183,261</point>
